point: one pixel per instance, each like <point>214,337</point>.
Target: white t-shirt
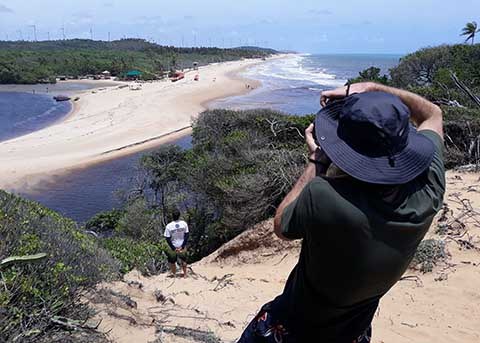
<point>176,230</point>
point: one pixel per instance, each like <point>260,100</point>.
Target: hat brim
<point>412,161</point>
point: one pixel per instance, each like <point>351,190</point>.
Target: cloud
<point>146,20</point>
<point>357,25</point>
<point>322,38</point>
<point>320,12</point>
<point>374,39</point>
<point>5,9</point>
<point>266,21</point>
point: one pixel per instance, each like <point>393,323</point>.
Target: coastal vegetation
<point>242,163</point>
<point>448,75</point>
<point>470,30</point>
<point>37,295</point>
<point>33,62</point>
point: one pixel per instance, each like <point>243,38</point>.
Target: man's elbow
<point>277,227</point>
<point>438,113</point>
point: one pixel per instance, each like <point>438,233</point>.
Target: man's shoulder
<point>324,186</point>
<point>328,192</point>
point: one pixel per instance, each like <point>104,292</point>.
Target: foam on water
<point>292,68</point>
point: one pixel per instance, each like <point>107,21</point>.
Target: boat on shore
<point>178,75</point>
<point>61,98</point>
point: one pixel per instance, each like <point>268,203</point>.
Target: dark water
<point>22,113</point>
<point>292,85</point>
<point>82,193</point>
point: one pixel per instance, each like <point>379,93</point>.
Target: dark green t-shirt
<point>355,247</point>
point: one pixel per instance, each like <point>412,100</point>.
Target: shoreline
<point>226,82</point>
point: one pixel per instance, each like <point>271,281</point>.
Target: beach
<point>109,122</point>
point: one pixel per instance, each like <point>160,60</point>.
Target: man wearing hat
<point>366,199</point>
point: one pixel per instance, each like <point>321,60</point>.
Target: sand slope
<point>228,287</point>
<point>106,121</point>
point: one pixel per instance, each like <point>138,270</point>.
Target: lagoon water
<point>22,113</point>
<point>291,85</point>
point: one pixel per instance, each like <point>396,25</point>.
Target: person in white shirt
<point>176,235</point>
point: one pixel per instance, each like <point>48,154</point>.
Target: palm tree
<point>470,30</point>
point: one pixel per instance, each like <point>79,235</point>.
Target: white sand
<point>106,121</point>
<point>230,286</point>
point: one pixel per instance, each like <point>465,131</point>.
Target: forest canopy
<point>32,62</point>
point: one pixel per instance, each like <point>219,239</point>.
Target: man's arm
<point>312,169</point>
<point>170,244</point>
<point>185,240</point>
<point>426,115</point>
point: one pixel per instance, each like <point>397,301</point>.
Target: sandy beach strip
<point>110,122</point>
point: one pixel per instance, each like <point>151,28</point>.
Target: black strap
<point>348,88</point>
<point>318,162</point>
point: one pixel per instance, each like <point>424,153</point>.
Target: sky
<point>347,26</point>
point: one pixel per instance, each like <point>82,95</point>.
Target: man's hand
<point>314,151</point>
<point>341,92</point>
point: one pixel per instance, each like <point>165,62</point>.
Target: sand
<point>225,290</point>
<point>109,122</point>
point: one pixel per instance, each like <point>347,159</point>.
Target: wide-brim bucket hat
<point>369,136</point>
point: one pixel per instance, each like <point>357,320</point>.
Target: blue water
<point>22,113</point>
<point>291,85</point>
<point>82,193</point>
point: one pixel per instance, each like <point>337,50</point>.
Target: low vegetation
<point>241,165</point>
<point>38,296</point>
<point>430,253</point>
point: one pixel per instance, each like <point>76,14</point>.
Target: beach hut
<point>133,75</point>
<point>195,65</point>
<point>106,75</point>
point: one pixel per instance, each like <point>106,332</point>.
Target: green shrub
<point>104,222</point>
<point>241,165</point>
<point>371,74</point>
<point>140,222</point>
<point>147,257</point>
<point>429,253</point>
<point>32,293</point>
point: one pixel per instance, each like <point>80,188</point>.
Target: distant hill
<point>32,62</point>
<point>257,48</point>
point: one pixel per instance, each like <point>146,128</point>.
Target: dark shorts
<point>266,328</point>
<point>173,256</point>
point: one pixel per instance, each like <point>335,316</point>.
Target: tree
<point>371,74</point>
<point>470,30</point>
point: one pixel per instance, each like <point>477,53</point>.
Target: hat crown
<point>374,124</point>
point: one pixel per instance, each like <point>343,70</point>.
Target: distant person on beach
<point>176,234</point>
<point>366,199</point>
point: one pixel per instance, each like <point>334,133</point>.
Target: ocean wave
<point>292,68</point>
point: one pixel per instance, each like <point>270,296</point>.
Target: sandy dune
<point>106,121</point>
<point>228,287</point>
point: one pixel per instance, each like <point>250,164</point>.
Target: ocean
<point>291,85</point>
